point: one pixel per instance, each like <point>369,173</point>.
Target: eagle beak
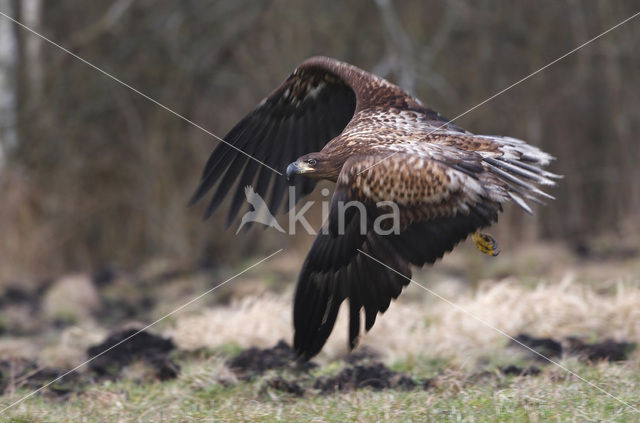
<point>297,168</point>
<point>292,170</point>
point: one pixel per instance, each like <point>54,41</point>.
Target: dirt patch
<point>153,349</point>
<point>23,373</point>
<point>283,385</point>
<point>519,371</point>
<point>14,294</point>
<point>363,370</point>
<point>546,346</point>
<point>255,361</point>
<point>607,350</point>
<point>376,376</point>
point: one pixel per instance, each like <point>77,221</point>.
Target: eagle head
<point>315,165</point>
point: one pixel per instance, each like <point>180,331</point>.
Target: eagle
<point>330,120</point>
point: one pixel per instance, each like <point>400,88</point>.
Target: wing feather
<point>310,108</point>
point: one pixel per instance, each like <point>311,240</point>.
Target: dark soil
<point>375,376</point>
<point>519,371</point>
<point>545,346</point>
<point>255,361</point>
<point>23,373</point>
<point>144,346</point>
<point>607,350</point>
<point>18,296</point>
<point>14,294</point>
<point>280,384</point>
<point>116,310</point>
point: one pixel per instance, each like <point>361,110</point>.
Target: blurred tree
<point>8,95</point>
<point>101,175</point>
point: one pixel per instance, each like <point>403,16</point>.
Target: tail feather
<point>519,165</point>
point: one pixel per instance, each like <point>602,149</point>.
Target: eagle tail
<point>520,166</point>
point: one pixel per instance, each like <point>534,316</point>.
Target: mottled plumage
<point>378,143</point>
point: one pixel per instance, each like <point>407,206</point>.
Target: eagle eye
<point>311,162</point>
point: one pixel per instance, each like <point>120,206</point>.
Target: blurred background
<point>96,235</point>
<point>94,178</point>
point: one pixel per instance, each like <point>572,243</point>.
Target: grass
<point>197,395</point>
<point>543,292</point>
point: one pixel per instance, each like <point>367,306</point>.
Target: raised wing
<point>311,107</point>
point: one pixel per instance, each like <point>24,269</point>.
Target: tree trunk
<point>8,94</point>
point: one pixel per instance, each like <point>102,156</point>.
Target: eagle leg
<point>485,243</point>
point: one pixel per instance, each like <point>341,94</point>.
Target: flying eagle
<point>331,120</point>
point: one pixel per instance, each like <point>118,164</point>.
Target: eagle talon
<point>486,243</point>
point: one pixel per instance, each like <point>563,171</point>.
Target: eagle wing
<point>441,199</point>
<point>445,190</point>
<point>312,106</point>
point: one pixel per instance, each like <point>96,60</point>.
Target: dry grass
<point>420,324</point>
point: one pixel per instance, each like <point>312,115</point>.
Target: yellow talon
<point>486,243</point>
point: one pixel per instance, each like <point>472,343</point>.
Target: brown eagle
<point>331,120</point>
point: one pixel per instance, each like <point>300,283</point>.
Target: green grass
<point>197,395</point>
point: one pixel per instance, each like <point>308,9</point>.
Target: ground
<point>227,358</point>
